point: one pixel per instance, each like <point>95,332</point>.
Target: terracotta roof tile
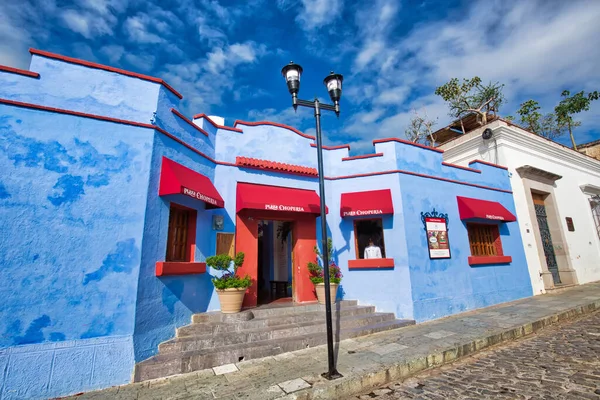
<point>275,166</point>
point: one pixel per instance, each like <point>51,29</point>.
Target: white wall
<point>513,147</point>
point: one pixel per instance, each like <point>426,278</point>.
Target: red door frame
<point>304,239</point>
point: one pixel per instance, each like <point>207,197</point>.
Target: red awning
<point>277,198</point>
<point>482,209</point>
<point>373,202</point>
<point>177,179</point>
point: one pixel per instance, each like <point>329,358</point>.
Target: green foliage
<point>228,278</point>
<point>471,97</point>
<point>317,273</point>
<point>547,125</point>
<point>571,105</point>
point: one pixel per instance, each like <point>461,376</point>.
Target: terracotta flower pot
<point>231,300</point>
<point>320,289</point>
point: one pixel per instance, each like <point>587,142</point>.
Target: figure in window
<point>372,251</point>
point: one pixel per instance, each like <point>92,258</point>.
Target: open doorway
<point>274,261</point>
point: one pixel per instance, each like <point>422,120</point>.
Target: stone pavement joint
<point>362,363</point>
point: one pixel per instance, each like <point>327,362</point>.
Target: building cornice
<point>589,189</point>
<point>527,171</point>
<point>529,143</point>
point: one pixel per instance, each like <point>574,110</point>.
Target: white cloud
<point>22,25</point>
<point>537,48</point>
<point>209,78</point>
<point>143,62</point>
<point>219,60</point>
<point>137,28</point>
<point>112,52</point>
<point>318,13</point>
<point>93,18</point>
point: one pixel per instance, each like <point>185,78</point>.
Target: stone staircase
<point>215,339</point>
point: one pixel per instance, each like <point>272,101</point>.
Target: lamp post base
<point>332,375</point>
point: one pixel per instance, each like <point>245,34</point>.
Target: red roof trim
<point>304,135</point>
<point>275,166</point>
<point>105,68</point>
<point>75,113</point>
<point>164,132</point>
<point>461,167</point>
<point>18,71</point>
<point>407,142</point>
<point>399,171</point>
<point>362,156</point>
<point>227,128</point>
<point>180,115</point>
<point>114,120</point>
<point>343,146</point>
<point>488,164</point>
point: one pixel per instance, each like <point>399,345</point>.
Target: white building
<point>557,198</point>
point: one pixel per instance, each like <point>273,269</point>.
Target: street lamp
<point>333,82</point>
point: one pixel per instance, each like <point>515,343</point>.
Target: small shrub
<point>316,270</point>
<point>229,278</point>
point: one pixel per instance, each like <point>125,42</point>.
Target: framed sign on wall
<point>436,228</point>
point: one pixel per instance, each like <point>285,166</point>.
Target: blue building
<point>111,200</point>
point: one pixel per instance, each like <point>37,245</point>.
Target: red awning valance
<point>277,198</point>
<point>373,202</point>
<point>482,209</point>
<point>177,179</point>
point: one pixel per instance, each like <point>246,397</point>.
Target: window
<point>225,244</point>
<point>181,239</point>
<point>366,230</point>
<point>484,240</point>
<point>595,206</point>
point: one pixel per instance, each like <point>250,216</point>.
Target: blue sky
<point>225,56</point>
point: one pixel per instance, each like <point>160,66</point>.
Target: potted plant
<point>230,287</point>
<point>317,274</point>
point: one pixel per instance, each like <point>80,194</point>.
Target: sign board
<point>197,195</point>
<point>437,237</point>
<point>570,225</point>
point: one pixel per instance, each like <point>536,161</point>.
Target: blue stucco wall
<point>83,226</point>
<point>166,303</point>
<point>79,88</point>
<point>72,211</point>
<point>447,286</point>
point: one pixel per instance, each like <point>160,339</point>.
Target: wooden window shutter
<point>226,244</point>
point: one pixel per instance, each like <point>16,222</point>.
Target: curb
<point>352,385</point>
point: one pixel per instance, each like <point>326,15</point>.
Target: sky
<point>225,57</point>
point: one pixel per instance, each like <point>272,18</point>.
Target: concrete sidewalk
<point>369,361</point>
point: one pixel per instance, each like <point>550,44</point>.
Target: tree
<point>471,97</point>
<point>546,125</point>
<point>571,105</point>
<point>420,129</point>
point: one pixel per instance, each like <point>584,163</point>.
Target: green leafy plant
<point>317,273</point>
<point>571,105</point>
<point>471,96</point>
<point>229,278</point>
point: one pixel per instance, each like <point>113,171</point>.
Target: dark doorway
<point>274,261</point>
<point>542,219</point>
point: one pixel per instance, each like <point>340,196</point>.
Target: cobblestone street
<point>562,362</point>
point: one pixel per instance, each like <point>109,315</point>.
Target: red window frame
<point>190,234</point>
<point>485,244</point>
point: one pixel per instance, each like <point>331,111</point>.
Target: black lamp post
<point>333,82</point>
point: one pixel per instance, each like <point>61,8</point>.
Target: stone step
<point>267,311</point>
<point>197,329</point>
<point>189,343</point>
<point>182,362</point>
